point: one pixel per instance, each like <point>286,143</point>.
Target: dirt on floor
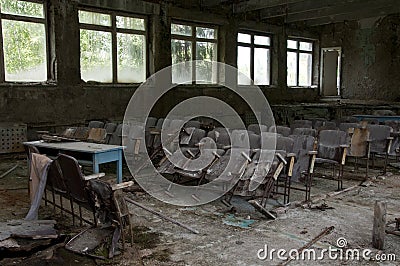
<point>227,236</point>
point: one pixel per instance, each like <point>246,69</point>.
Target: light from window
<point>193,43</point>
<point>253,59</point>
<point>24,41</point>
<point>299,63</point>
<point>97,48</point>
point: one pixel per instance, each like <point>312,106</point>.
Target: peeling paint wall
<point>371,57</point>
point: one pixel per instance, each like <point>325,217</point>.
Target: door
<point>330,73</point>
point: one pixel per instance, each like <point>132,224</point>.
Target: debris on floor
<point>21,235</point>
<point>232,220</point>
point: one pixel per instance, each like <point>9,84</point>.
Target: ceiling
<point>310,12</point>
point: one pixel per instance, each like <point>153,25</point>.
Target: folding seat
<point>76,184</point>
<point>149,126</point>
<point>303,148</point>
<point>332,150</point>
<point>381,142</point>
<point>360,147</point>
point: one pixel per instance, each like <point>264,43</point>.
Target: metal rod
<point>161,215</point>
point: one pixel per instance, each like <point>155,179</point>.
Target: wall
<point>371,57</point>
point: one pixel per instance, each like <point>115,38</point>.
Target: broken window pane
<point>261,66</point>
<point>292,44</point>
<point>96,59</point>
<point>292,69</point>
<point>206,71</point>
<point>131,58</point>
<point>305,69</point>
<point>262,40</point>
<point>205,33</point>
<point>22,8</point>
<point>24,45</point>
<point>181,51</point>
<point>130,23</point>
<point>306,46</point>
<point>244,38</point>
<point>94,18</point>
<point>179,29</point>
<point>243,62</point>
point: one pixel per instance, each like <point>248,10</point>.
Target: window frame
<point>194,39</point>
<point>252,47</point>
<point>298,51</point>
<point>114,30</point>
<point>44,21</point>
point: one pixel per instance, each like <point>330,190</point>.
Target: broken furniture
<point>87,153</point>
<point>360,147</point>
<point>281,130</point>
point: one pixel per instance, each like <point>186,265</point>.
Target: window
<point>299,63</point>
<point>113,48</point>
<point>254,59</point>
<point>24,41</point>
<point>190,42</point>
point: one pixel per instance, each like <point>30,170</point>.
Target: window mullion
<point>252,59</point>
<point>2,66</point>
<point>194,55</point>
<point>114,48</point>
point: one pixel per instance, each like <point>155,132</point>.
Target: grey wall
<point>371,57</point>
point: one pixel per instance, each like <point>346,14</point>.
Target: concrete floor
<point>221,241</point>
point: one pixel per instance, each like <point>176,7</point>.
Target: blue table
<point>99,153</point>
<point>380,118</point>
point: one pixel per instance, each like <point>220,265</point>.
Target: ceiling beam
<point>252,5</point>
<point>300,7</point>
<point>355,15</point>
<point>350,7</point>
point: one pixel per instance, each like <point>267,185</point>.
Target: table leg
<point>119,167</point>
<point>96,169</point>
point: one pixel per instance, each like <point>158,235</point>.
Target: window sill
<point>28,84</point>
<point>303,87</point>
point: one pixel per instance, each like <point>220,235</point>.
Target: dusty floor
<point>226,237</point>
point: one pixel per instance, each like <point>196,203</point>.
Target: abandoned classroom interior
<point>73,165</point>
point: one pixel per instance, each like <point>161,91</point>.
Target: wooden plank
<point>378,232</point>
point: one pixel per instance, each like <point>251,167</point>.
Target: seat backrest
<point>346,126</point>
<point>284,144</point>
<point>193,123</point>
<point>393,124</point>
<point>379,135</point>
<point>151,122</point>
<point>240,138</point>
<point>329,142</point>
<point>110,128</point>
<point>281,130</point>
<point>371,121</point>
<point>302,145</point>
<point>301,124</point>
<point>305,131</point>
<point>116,137</point>
<point>73,177</point>
<point>55,178</point>
<point>159,124</point>
<point>359,142</point>
<point>257,129</point>
<point>96,124</point>
<point>221,138</point>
